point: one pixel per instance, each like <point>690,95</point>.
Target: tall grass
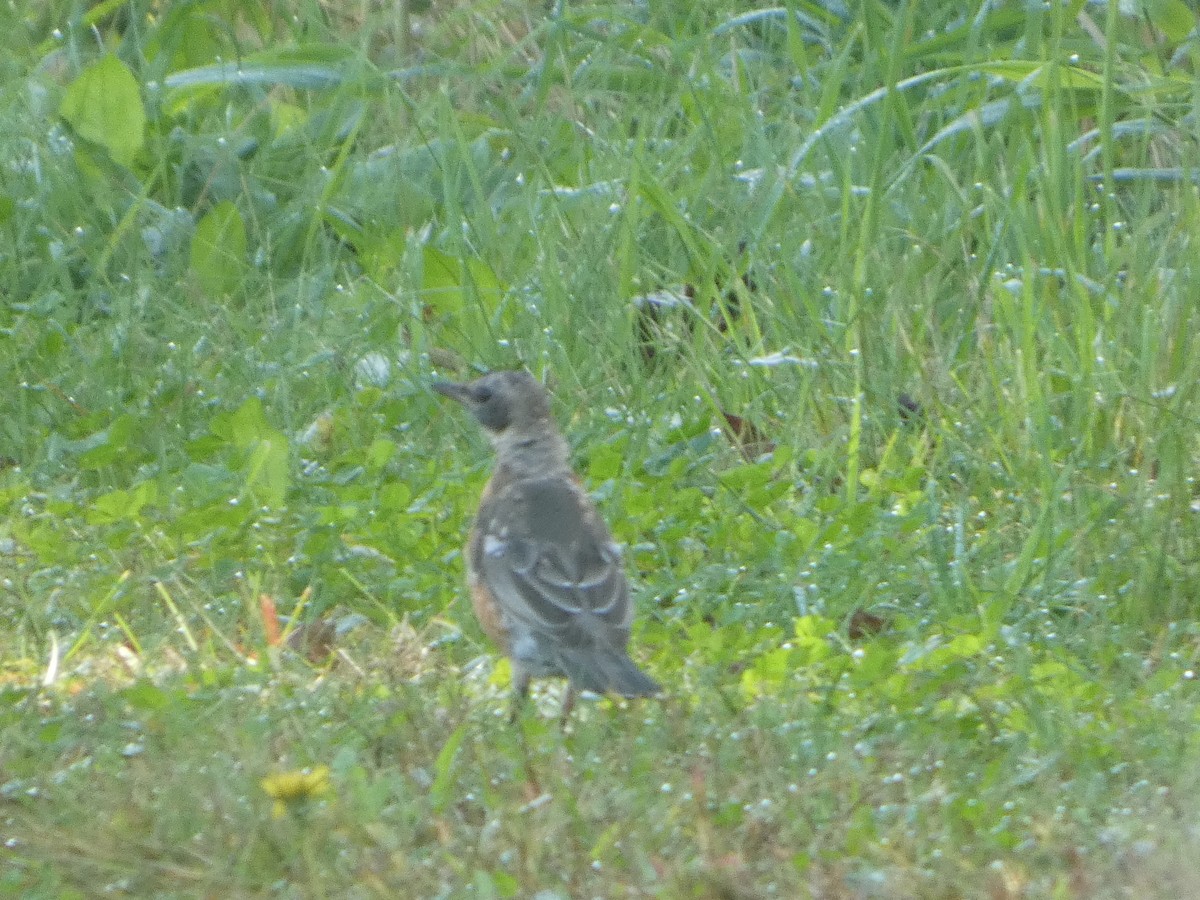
<point>870,323</point>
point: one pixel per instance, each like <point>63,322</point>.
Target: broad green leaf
<point>149,697</point>
<point>265,470</point>
<point>285,117</point>
<point>187,38</point>
<point>1173,18</point>
<point>47,541</point>
<point>805,531</point>
<point>395,497</point>
<point>606,461</point>
<point>104,105</point>
<point>244,426</point>
<point>445,280</point>
<point>812,636</point>
<point>114,443</point>
<point>440,284</point>
<point>379,453</point>
<point>218,258</point>
<point>766,673</point>
<point>119,505</point>
<point>379,252</point>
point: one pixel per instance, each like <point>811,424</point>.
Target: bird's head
<point>502,401</point>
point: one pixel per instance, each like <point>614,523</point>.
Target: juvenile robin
<point>545,576</point>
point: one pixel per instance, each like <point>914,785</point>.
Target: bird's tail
<point>608,670</point>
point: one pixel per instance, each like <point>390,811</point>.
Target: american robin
<point>545,576</point>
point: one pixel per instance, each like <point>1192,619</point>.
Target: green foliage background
<point>906,474</point>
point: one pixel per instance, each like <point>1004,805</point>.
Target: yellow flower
<point>288,788</point>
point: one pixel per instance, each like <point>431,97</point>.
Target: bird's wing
<point>552,564</point>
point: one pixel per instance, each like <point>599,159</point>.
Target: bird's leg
<point>568,704</point>
<point>520,682</point>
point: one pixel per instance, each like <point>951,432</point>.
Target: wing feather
<point>552,563</point>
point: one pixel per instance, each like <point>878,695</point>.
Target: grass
<point>906,473</point>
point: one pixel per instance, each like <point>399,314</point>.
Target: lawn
<point>871,325</point>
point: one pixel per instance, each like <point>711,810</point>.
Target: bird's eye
<point>483,394</point>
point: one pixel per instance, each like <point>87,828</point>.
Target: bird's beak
<point>453,390</point>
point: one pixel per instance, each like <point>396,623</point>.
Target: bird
<point>546,579</point>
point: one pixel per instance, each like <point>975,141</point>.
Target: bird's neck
<point>531,454</point>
